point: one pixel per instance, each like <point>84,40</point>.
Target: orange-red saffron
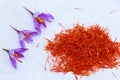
<point>83,51</point>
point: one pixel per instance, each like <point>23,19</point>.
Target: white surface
<point>32,68</point>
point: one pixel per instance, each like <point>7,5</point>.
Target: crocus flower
<point>25,36</point>
<point>15,54</point>
<point>40,19</point>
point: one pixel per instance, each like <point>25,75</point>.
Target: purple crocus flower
<point>25,36</point>
<point>15,54</point>
<point>40,19</point>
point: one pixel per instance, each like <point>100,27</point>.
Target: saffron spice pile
<point>83,51</point>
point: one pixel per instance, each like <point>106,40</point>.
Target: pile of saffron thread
<point>83,51</point>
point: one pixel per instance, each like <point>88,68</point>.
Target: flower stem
<point>15,29</point>
<point>28,10</point>
<point>5,50</point>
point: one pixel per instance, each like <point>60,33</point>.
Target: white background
<point>32,68</point>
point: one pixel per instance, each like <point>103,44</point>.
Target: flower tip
<point>47,40</point>
<point>14,28</point>
<point>28,10</point>
<point>11,26</point>
<point>38,32</point>
<point>15,67</point>
<point>26,48</point>
<point>5,50</point>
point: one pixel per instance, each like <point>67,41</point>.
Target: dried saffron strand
<point>76,78</point>
<point>113,11</point>
<point>83,51</point>
<point>37,45</point>
<point>79,8</point>
<point>61,25</point>
<point>114,75</point>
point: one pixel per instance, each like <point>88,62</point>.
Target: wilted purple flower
<point>25,36</point>
<point>40,18</point>
<point>15,54</point>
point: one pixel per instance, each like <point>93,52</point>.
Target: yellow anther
<point>16,55</point>
<point>40,20</point>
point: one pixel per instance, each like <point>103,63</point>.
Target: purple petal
<point>44,24</point>
<point>11,53</point>
<point>37,25</point>
<point>21,39</point>
<point>29,39</point>
<point>13,62</point>
<point>47,17</point>
<point>33,33</point>
<point>20,50</point>
<point>26,31</point>
<point>22,43</point>
<point>21,36</point>
<point>30,33</point>
<point>12,59</point>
